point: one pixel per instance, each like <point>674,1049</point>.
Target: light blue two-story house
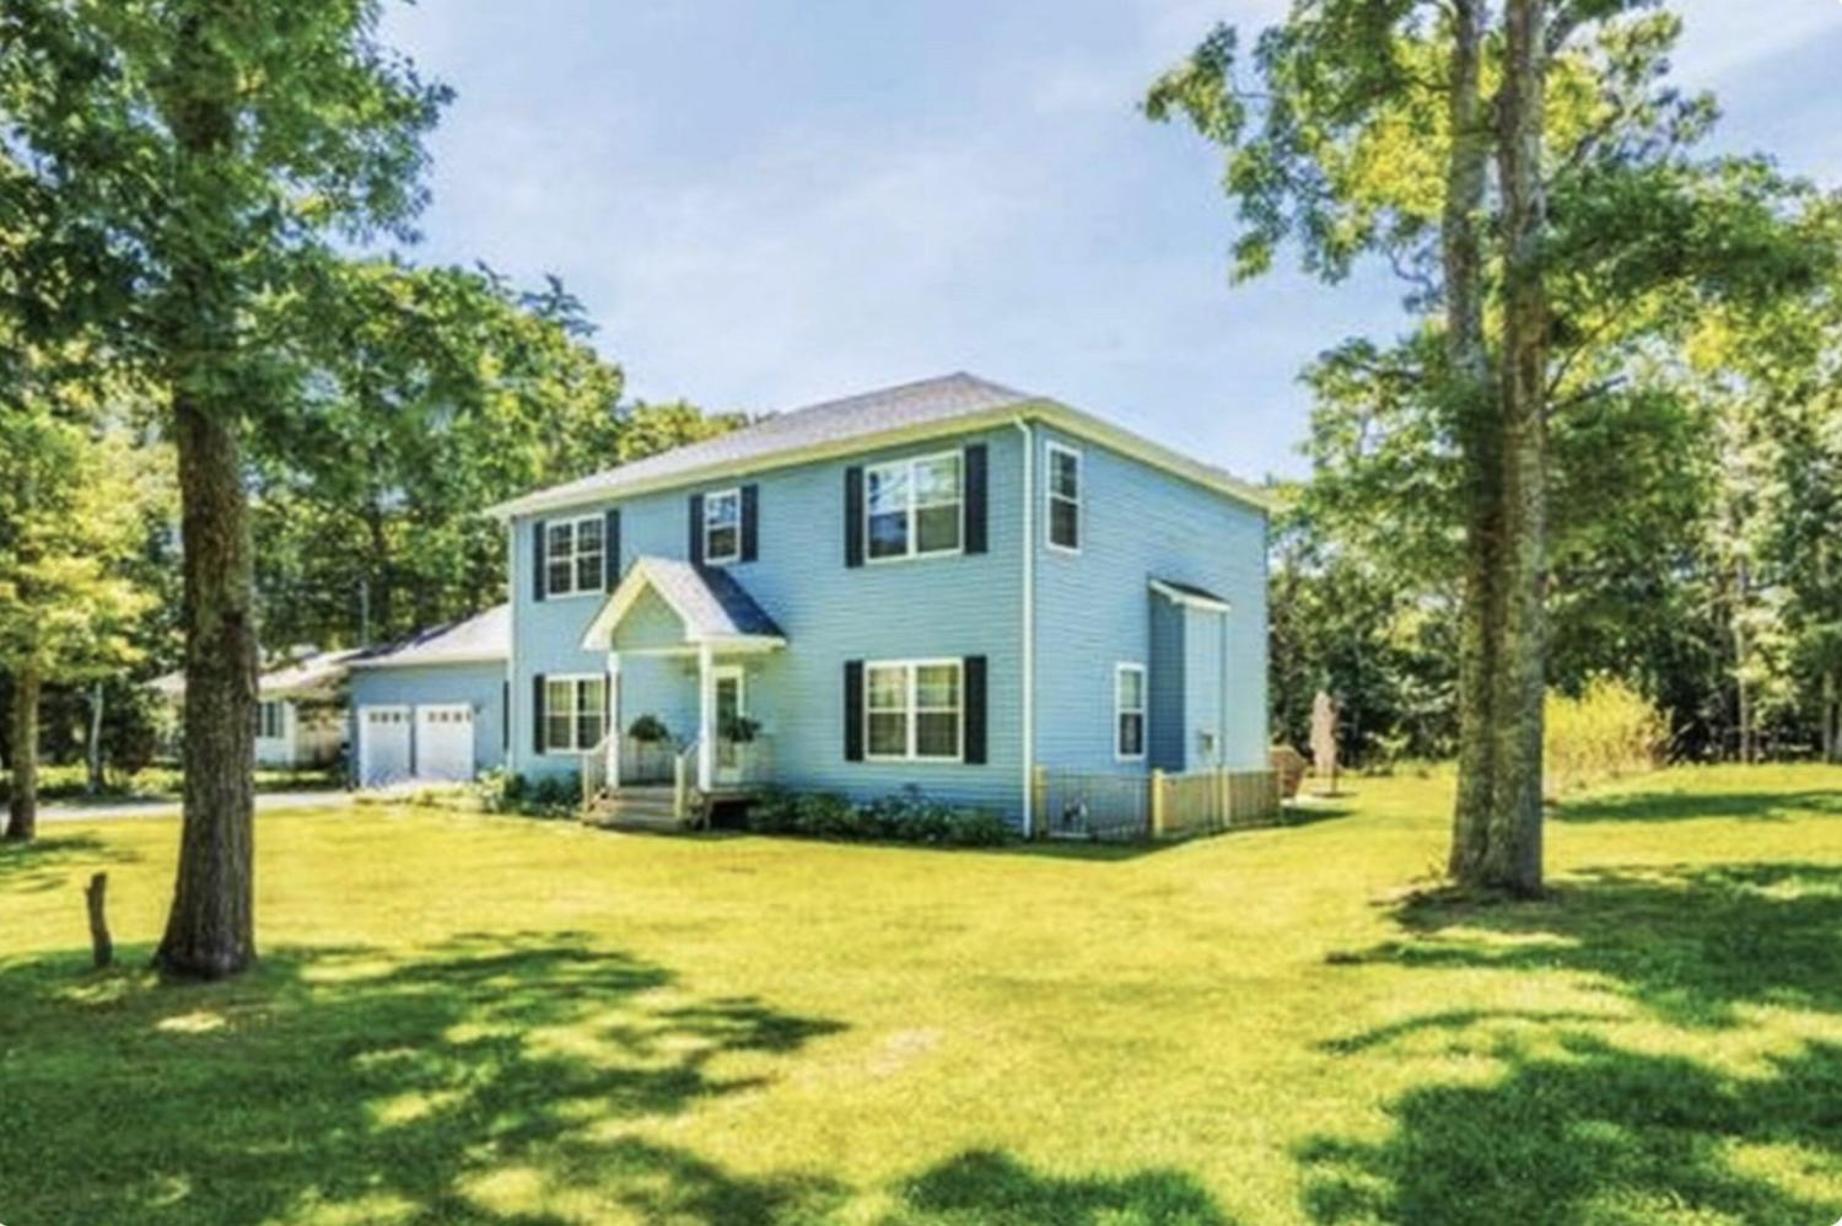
<point>948,585</point>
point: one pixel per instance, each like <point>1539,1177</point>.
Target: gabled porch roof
<point>710,605</point>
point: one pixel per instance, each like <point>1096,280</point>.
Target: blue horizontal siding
<point>1094,610</point>
<point>953,606</point>
<point>479,685</point>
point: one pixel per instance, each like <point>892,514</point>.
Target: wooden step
<point>633,808</point>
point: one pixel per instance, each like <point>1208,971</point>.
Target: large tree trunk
<point>1473,410</point>
<point>211,931</point>
<point>22,805</point>
<point>1498,822</point>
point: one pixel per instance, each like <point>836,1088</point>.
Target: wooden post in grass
<point>1157,802</point>
<point>94,895</point>
<point>1039,802</point>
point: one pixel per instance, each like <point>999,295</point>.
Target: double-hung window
<point>574,713</point>
<point>573,554</point>
<point>914,710</point>
<point>1063,487</point>
<point>914,508</point>
<point>269,721</point>
<point>1129,712</point>
<point>723,527</point>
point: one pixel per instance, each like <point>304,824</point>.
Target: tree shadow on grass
<point>490,1080</point>
<point>1693,944</point>
<point>48,861</point>
<point>1693,805</point>
<point>1592,1132</point>
<point>990,1188</point>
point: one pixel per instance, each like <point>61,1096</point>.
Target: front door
<point>731,705</point>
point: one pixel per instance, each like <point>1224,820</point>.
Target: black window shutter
<point>697,530</point>
<point>977,480</point>
<point>853,516</point>
<point>537,713</point>
<point>751,502</point>
<point>853,710</point>
<point>610,553</point>
<point>537,560</point>
<point>505,715</point>
<point>973,689</point>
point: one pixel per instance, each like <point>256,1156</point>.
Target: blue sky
<point>769,203</point>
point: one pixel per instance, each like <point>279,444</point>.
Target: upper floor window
<point>914,508</point>
<point>913,710</point>
<point>574,550</point>
<point>269,721</point>
<point>723,526</point>
<point>574,710</point>
<point>1129,711</point>
<point>1064,491</point>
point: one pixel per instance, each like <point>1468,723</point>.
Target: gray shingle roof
<point>485,636</point>
<point>892,408</point>
<point>712,603</point>
<point>919,409</point>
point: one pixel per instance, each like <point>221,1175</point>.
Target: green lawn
<point>485,1020</point>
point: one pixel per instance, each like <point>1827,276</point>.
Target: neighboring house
<point>948,585</point>
<point>432,707</point>
<point>300,710</point>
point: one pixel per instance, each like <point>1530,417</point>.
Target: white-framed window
<point>271,721</point>
<point>723,526</point>
<point>914,710</point>
<point>914,508</point>
<point>574,552</point>
<point>1129,712</point>
<point>575,709</point>
<point>1062,487</point>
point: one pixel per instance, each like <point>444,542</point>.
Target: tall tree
<point>72,506</point>
<point>1530,221</point>
<point>223,144</point>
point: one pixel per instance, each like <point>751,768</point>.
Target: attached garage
<point>432,708</point>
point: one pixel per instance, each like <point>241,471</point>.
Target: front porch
<point>682,643</point>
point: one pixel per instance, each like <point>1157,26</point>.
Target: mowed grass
<point>482,1020</point>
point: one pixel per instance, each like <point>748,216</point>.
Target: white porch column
<point>706,716</point>
<point>613,732</point>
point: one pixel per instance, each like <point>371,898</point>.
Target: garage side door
<point>444,742</point>
<point>383,745</point>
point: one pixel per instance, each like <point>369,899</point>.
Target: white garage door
<point>383,745</point>
<point>444,742</point>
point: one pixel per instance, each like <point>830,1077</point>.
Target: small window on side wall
<point>1129,712</point>
<point>1063,487</point>
<point>723,527</point>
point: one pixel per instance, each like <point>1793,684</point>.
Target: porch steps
<point>635,808</point>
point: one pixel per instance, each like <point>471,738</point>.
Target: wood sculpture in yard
<point>1324,742</point>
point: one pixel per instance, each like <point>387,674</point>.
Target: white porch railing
<point>595,771</point>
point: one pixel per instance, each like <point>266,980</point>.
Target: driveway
<point>114,810</point>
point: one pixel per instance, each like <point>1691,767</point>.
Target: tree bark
<point>95,898</point>
<point>1497,826</point>
<point>1742,651</point>
<point>1473,411</point>
<point>1514,860</point>
<point>211,931</point>
<point>22,804</point>
<point>96,780</point>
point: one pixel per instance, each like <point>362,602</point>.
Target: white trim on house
<point>575,682</point>
<point>1194,600</point>
<point>911,529</point>
<point>1058,416</point>
<point>576,586</point>
<point>733,494</point>
<point>911,710</point>
<point>1051,496</point>
<point>1121,710</point>
<point>640,577</point>
<point>1029,626</point>
<point>433,661</point>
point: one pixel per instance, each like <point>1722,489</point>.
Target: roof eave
<point>1049,412</point>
